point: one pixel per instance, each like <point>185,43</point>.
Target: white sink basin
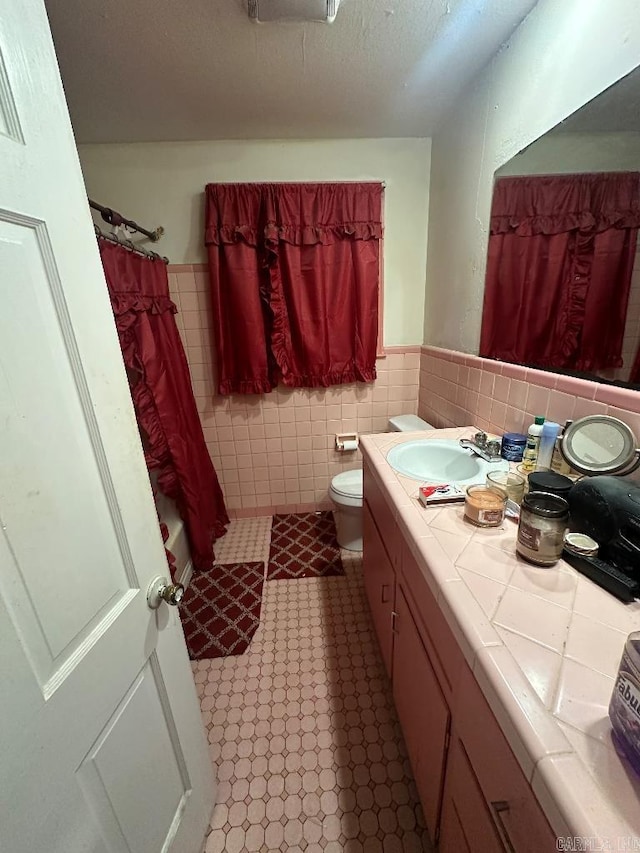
<point>438,460</point>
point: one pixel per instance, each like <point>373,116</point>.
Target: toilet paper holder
<point>347,441</point>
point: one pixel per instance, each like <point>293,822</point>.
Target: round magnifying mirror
<point>600,444</point>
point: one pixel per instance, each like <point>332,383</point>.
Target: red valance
<point>299,214</point>
<point>553,204</point>
<point>163,399</point>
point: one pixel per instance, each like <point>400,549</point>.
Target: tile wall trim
<point>390,350</point>
<point>458,389</point>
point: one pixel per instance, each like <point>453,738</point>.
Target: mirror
<point>562,289</point>
<point>599,444</point>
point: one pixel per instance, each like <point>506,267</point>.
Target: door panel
<point>465,813</point>
<point>102,743</point>
<point>423,712</point>
<point>515,811</point>
<point>57,609</point>
<point>452,837</point>
<point>153,763</point>
<point>379,583</point>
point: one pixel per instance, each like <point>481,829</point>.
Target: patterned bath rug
<point>304,546</point>
<point>221,609</point>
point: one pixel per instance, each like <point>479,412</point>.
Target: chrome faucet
<point>487,450</point>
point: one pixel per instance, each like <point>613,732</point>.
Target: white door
<point>102,748</point>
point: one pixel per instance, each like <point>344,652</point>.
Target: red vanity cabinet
<point>422,710</point>
<point>465,824</point>
<point>507,809</point>
<point>474,795</point>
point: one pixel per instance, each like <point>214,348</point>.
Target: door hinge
<point>394,622</point>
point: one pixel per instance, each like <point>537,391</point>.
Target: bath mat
<point>221,609</point>
<point>304,546</point>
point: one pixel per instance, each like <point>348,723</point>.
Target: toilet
<point>346,490</point>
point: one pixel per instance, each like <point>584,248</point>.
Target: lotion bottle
<point>530,456</point>
<point>550,431</point>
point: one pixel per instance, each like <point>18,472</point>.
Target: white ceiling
<point>164,70</point>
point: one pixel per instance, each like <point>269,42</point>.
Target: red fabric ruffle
<point>165,408</point>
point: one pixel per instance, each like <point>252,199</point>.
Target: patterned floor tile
<point>221,609</point>
<point>303,732</point>
<point>246,540</point>
<point>303,546</point>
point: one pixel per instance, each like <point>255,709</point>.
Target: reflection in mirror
<point>562,290</point>
<point>598,444</point>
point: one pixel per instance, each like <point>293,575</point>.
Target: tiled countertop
<point>544,645</point>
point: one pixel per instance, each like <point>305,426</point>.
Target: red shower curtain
<point>295,272</point>
<point>163,399</point>
<point>561,253</point>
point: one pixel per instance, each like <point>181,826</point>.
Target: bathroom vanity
<point>501,675</point>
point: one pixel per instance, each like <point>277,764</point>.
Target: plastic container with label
<point>624,708</point>
<point>530,456</point>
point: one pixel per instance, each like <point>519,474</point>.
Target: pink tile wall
<point>461,390</point>
<point>276,452</point>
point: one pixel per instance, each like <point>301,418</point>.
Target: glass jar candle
<point>624,708</point>
<point>508,482</point>
<point>484,506</point>
<point>543,520</point>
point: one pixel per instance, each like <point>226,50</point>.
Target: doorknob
<point>161,590</point>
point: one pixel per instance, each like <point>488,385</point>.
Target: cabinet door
<point>379,583</point>
<point>516,814</point>
<point>466,825</point>
<point>423,711</point>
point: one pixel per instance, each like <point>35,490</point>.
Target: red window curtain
<point>295,272</point>
<point>162,395</point>
<point>234,236</point>
<point>560,258</point>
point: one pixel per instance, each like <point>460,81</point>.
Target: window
<point>295,277</point>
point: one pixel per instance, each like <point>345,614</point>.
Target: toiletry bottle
<point>550,431</point>
<point>624,709</point>
<point>558,463</point>
<point>534,432</point>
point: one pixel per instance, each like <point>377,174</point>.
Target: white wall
<point>558,153</point>
<point>163,183</point>
<point>563,55</point>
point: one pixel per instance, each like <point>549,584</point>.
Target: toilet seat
<point>346,488</point>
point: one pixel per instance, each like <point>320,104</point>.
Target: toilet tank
<point>407,423</point>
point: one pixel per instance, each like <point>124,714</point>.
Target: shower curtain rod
<point>127,244</point>
<point>115,218</point>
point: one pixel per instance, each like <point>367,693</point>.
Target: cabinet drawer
<point>383,516</point>
<point>466,822</point>
<point>515,811</point>
<point>379,584</point>
<point>445,653</point>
